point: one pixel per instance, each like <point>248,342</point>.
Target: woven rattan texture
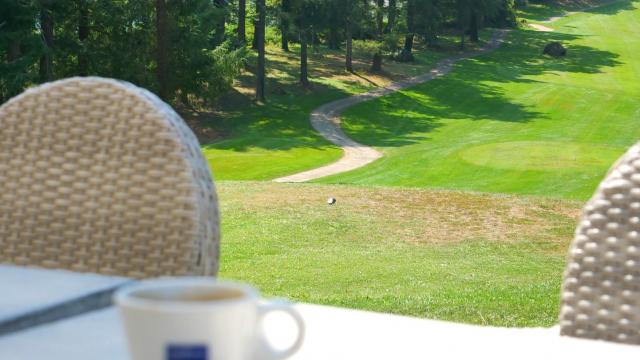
<point>601,290</point>
<point>97,175</point>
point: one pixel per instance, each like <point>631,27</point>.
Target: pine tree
<point>260,30</point>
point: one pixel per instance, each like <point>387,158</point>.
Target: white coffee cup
<point>199,319</point>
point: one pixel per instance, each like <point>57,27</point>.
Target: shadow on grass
<point>543,12</point>
<point>614,8</point>
<point>537,12</point>
<point>281,124</point>
<point>469,91</point>
<point>407,117</point>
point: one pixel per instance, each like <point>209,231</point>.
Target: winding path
<point>326,118</point>
<point>539,27</point>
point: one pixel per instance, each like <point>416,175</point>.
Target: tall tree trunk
<point>315,40</point>
<point>376,63</point>
<point>304,69</point>
<point>411,7</point>
<point>254,42</point>
<point>473,26</point>
<point>391,17</point>
<point>219,35</point>
<point>242,18</point>
<point>349,57</point>
<point>408,43</point>
<point>14,52</point>
<point>461,21</point>
<point>380,16</point>
<point>407,50</point>
<point>83,34</point>
<point>162,49</point>
<point>260,92</point>
<point>334,39</point>
<point>367,16</point>
<point>284,24</point>
<point>46,61</point>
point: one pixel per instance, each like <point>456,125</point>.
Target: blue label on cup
<point>187,352</point>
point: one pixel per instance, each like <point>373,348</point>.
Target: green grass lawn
<point>540,12</point>
<point>511,121</point>
<point>514,121</point>
<point>266,141</point>
<point>536,12</point>
<point>470,257</point>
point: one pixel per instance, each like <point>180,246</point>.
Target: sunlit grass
<point>478,258</point>
<point>514,121</point>
<point>265,141</point>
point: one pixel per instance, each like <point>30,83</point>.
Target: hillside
<point>514,121</point>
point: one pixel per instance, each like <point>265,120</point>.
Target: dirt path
<point>540,27</point>
<point>326,118</point>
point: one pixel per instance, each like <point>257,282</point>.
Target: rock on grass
<point>555,49</point>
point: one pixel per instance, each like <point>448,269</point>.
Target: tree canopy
<point>190,51</point>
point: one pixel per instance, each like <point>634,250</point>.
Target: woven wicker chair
<point>601,290</point>
<point>98,175</point>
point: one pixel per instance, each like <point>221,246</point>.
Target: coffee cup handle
<point>266,351</point>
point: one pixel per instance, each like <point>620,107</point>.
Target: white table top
<point>332,333</point>
<point>29,291</point>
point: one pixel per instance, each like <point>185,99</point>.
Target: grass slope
<point>542,11</point>
<point>511,121</point>
<point>265,141</point>
<point>514,121</point>
<point>477,258</point>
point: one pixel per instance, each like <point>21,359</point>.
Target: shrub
<point>555,49</point>
<point>371,49</point>
<point>222,66</point>
<point>391,43</point>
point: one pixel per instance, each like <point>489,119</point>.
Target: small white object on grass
<point>331,201</point>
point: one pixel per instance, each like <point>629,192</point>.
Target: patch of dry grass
<point>419,216</point>
<point>459,256</point>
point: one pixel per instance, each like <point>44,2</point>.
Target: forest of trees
<point>190,51</point>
